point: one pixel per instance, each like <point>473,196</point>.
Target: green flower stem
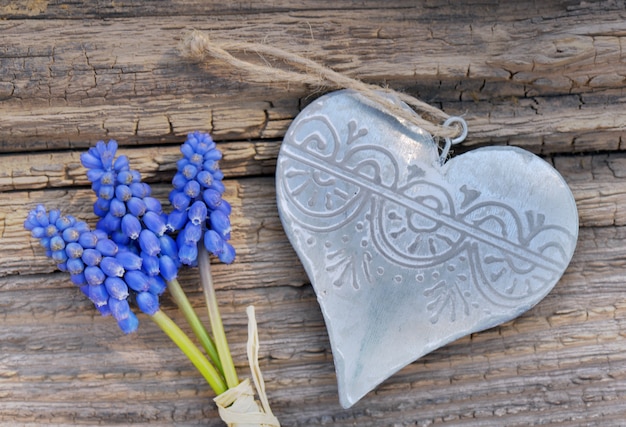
<point>191,351</point>
<point>179,296</point>
<point>214,317</point>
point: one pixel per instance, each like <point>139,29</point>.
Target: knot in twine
<point>197,45</point>
<point>237,406</point>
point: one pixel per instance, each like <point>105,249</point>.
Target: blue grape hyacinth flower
<point>106,272</point>
<point>128,257</point>
<point>200,213</point>
<point>128,212</point>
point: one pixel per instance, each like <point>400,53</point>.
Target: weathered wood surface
<point>548,76</point>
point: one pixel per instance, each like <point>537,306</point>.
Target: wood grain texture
<point>76,80</point>
<point>547,76</point>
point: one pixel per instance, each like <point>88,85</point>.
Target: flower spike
<point>105,271</point>
<point>200,214</point>
<point>128,212</point>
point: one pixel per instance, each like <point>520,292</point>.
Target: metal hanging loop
<point>451,121</point>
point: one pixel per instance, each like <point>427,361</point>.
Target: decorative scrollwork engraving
<point>407,252</point>
<point>414,221</point>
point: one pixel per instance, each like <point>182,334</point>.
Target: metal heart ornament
<point>405,253</point>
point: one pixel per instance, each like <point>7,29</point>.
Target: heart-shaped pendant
<point>407,254</point>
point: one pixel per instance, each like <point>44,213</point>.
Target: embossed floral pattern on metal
<point>405,253</point>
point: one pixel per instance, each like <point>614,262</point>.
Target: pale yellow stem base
<point>237,406</point>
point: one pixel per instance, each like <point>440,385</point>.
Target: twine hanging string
<point>197,45</point>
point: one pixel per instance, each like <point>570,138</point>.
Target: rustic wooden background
<point>545,75</point>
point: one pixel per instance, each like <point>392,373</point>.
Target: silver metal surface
<point>405,254</point>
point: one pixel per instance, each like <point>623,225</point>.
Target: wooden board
<point>547,76</point>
